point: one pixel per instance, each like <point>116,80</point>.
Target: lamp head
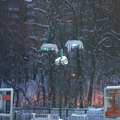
<point>49,45</point>
<point>74,42</point>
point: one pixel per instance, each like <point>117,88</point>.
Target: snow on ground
<point>91,114</point>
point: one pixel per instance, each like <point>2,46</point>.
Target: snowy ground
<point>92,114</point>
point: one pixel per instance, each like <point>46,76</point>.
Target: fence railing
<point>21,113</point>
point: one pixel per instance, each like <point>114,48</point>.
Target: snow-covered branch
<point>109,55</point>
<point>113,34</point>
<point>40,10</point>
<point>38,24</point>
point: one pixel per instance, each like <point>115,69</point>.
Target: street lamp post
<point>60,92</point>
<point>72,43</point>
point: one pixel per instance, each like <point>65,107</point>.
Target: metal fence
<point>53,114</point>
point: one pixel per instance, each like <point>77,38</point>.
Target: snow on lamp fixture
<point>74,42</point>
<point>49,45</point>
<point>63,60</point>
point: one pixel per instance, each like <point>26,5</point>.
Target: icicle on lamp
<point>49,45</point>
<point>74,42</point>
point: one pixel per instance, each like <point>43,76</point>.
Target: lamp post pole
<point>60,92</point>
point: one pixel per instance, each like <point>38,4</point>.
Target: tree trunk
<point>80,77</point>
<point>43,89</point>
<point>91,80</point>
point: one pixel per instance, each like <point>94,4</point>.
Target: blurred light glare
<point>73,74</point>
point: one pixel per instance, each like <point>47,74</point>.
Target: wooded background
<point>32,73</point>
